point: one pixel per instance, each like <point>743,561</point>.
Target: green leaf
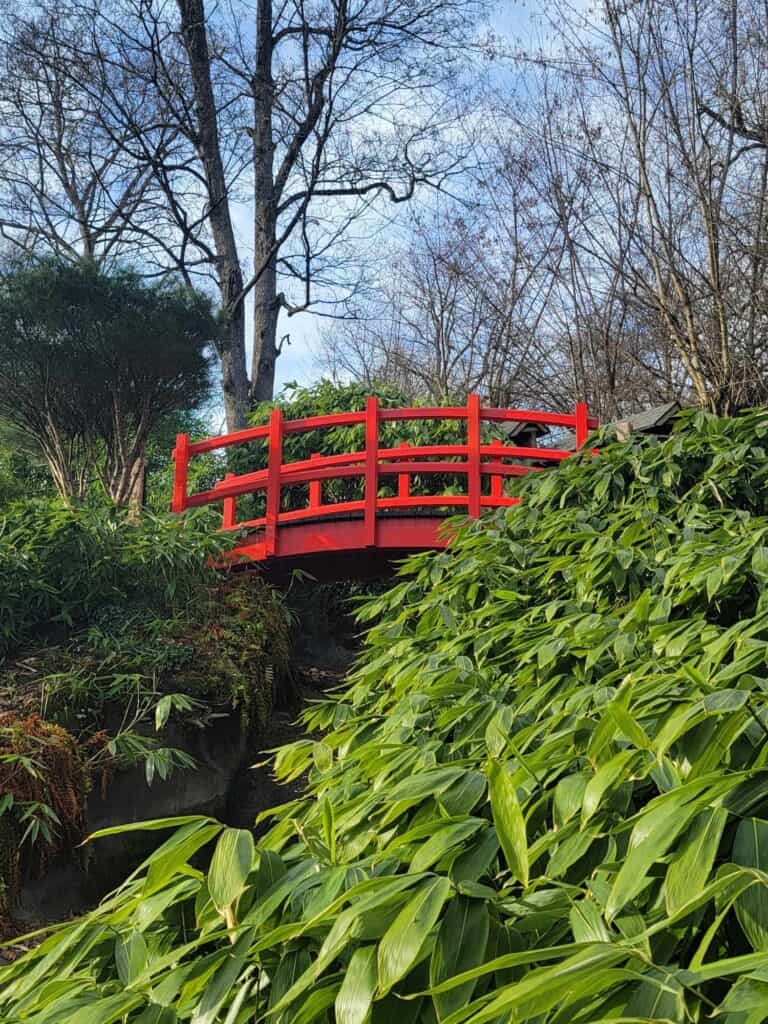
<point>460,947</point>
<point>750,849</point>
<point>509,821</point>
<point>745,1003</point>
<point>156,1014</point>
<point>226,979</point>
<point>604,779</point>
<point>329,828</point>
<point>130,956</point>
<point>444,840</point>
<point>354,999</point>
<point>587,923</point>
<point>690,868</point>
<point>650,839</point>
<point>230,866</point>
<point>401,944</point>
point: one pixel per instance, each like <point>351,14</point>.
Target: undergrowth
<point>542,797</point>
<point>59,566</point>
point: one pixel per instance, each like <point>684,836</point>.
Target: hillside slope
<point>542,797</point>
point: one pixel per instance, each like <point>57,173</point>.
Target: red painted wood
<point>275,458</point>
<point>180,471</point>
<point>400,523</point>
<point>371,468</point>
<point>211,444</point>
<point>474,479</point>
<point>582,424</point>
<point>404,479</point>
<point>400,534</point>
<point>229,514</point>
<point>315,488</point>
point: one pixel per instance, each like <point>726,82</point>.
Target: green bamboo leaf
<point>750,849</point>
<point>317,1002</point>
<point>230,866</point>
<point>604,779</point>
<point>152,825</point>
<point>228,977</point>
<point>653,834</point>
<point>329,828</point>
<point>460,946</point>
<point>354,999</point>
<point>570,851</point>
<point>587,923</point>
<point>690,868</point>
<point>658,996</point>
<point>156,1014</point>
<point>404,939</point>
<point>569,794</point>
<point>165,862</point>
<point>130,956</point>
<point>107,1010</point>
<point>464,795</point>
<point>745,1003</point>
<point>588,972</point>
<point>509,821</point>
<point>476,859</point>
<point>291,967</point>
<point>444,840</point>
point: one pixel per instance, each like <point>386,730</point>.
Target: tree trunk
<point>266,309</point>
<point>234,374</point>
<point>229,272</point>
<point>266,304</point>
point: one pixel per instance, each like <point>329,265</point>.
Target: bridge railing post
<point>315,487</point>
<point>371,468</point>
<point>582,424</point>
<point>180,472</point>
<point>497,480</point>
<point>274,465</point>
<point>229,511</point>
<point>404,479</point>
<point>474,480</point>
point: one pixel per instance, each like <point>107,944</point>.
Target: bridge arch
<point>335,535</point>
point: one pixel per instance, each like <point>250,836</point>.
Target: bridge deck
<point>404,501</point>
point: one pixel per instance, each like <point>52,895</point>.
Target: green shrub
<point>61,564</point>
<point>543,797</point>
<point>226,650</point>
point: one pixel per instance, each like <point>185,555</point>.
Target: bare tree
<point>68,185</point>
<point>674,208</point>
<point>452,314</point>
<point>304,116</point>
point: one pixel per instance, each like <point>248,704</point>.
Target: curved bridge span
<point>397,496</point>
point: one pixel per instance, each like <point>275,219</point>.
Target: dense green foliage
<point>62,564</point>
<point>126,625</point>
<point>543,797</point>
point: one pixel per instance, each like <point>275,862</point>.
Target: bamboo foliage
<point>542,798</point>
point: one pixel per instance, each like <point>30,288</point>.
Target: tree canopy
<point>91,360</point>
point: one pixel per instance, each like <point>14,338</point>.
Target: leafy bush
<point>61,564</point>
<point>543,797</point>
<point>223,651</point>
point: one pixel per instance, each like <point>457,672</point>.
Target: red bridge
<point>357,534</point>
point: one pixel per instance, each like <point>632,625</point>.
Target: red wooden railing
<point>474,460</point>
